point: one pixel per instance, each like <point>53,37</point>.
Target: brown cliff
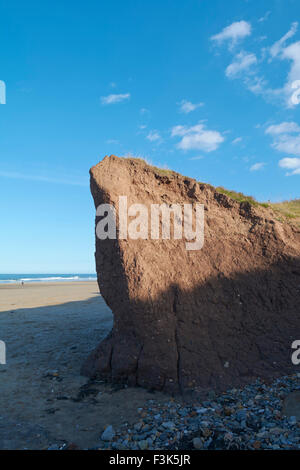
<point>213,318</point>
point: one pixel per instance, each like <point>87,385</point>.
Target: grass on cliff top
<point>283,210</point>
<point>286,210</point>
<point>240,197</point>
<point>160,171</point>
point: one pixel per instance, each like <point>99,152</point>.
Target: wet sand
<point>49,329</point>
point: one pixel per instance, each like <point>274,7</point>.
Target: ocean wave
<point>48,279</point>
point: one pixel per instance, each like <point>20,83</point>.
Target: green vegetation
<point>287,210</point>
<point>160,171</point>
<point>163,171</point>
<point>284,211</point>
<point>240,197</point>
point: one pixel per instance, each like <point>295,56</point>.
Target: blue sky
<point>203,87</point>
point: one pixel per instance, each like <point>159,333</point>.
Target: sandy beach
<point>49,329</point>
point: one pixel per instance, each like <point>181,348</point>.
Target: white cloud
<point>112,99</point>
<point>288,144</point>
<point>233,33</point>
<point>283,128</point>
<point>265,17</point>
<point>278,45</point>
<point>197,138</point>
<point>257,166</point>
<point>245,65</point>
<point>237,140</point>
<point>291,164</point>
<point>187,106</point>
<point>199,157</point>
<point>241,63</point>
<point>258,86</point>
<point>286,137</point>
<point>292,53</point>
<point>153,136</point>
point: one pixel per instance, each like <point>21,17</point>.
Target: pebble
<point>246,418</point>
<point>197,443</point>
<point>108,434</point>
<point>201,411</point>
<point>168,425</point>
<point>143,445</point>
<point>293,420</point>
<point>54,447</point>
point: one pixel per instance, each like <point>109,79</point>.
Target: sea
<point>30,278</point>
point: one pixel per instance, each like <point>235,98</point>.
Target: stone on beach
<point>291,406</point>
<point>108,434</point>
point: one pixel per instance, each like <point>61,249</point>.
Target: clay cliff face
<point>211,318</point>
